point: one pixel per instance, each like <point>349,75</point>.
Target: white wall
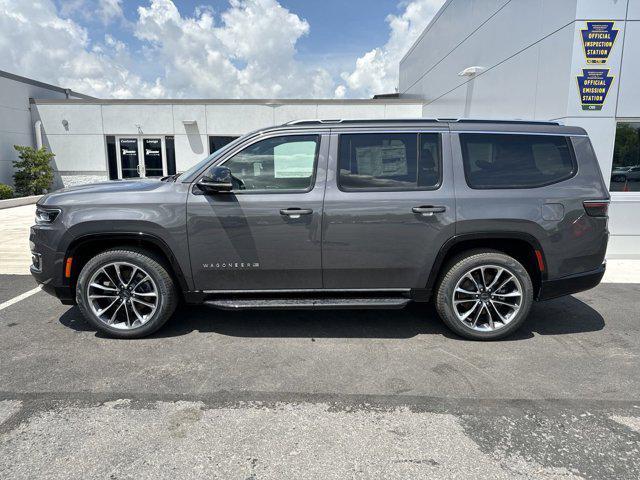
<point>16,127</point>
<point>523,46</point>
<point>80,147</point>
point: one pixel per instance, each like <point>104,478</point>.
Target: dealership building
<point>572,61</point>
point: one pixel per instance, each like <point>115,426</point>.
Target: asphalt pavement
<point>338,394</point>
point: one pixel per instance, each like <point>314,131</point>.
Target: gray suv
<point>482,217</point>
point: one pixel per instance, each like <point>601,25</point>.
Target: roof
<point>55,88</point>
<point>420,121</point>
<point>229,101</point>
<point>451,124</point>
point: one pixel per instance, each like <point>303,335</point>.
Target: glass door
<point>141,157</point>
<point>129,157</point>
<point>153,158</point>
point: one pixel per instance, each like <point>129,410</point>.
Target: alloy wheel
<point>122,295</point>
<point>487,298</point>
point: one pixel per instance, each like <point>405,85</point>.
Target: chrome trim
<point>314,290</point>
<point>503,132</point>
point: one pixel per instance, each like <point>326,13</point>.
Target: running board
<point>310,303</point>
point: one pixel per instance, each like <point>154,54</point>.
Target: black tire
<point>153,266</point>
<point>465,263</point>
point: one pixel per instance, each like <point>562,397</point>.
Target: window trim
<point>567,138</point>
<point>312,185</point>
<point>437,186</point>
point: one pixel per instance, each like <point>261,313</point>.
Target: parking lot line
<point>8,303</point>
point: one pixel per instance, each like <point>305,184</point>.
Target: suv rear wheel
<point>484,295</point>
<point>126,293</point>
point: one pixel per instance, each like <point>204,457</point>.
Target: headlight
<point>45,216</point>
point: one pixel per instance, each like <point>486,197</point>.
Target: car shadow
<point>555,317</point>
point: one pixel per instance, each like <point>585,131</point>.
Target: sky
<point>212,49</point>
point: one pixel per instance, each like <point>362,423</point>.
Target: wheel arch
<point>86,246</point>
<point>522,246</point>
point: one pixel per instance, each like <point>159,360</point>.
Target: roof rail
<point>493,120</point>
<point>418,120</point>
<point>313,121</point>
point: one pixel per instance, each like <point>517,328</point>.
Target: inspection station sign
<point>598,39</point>
<point>594,85</point>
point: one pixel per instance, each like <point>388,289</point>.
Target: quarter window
<point>389,161</point>
<point>625,174</point>
<point>515,161</point>
<point>281,163</point>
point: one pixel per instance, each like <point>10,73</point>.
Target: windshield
<point>187,175</point>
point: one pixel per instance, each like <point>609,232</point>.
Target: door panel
<point>255,239</point>
<point>373,238</point>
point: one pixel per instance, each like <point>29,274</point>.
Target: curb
<point>19,202</point>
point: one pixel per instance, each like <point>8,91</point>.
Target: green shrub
<point>5,191</point>
<point>34,173</point>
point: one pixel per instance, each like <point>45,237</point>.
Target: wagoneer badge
<point>228,265</point>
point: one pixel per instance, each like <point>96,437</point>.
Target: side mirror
<point>216,180</point>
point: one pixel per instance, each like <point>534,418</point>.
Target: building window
<point>625,175</point>
<point>112,157</point>
<point>515,161</point>
<point>217,142</point>
<point>169,143</point>
<point>389,161</point>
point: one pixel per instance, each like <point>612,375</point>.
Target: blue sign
<point>594,85</point>
<point>598,40</point>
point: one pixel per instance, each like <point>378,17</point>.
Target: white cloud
<point>106,11</point>
<point>377,70</point>
<point>35,41</point>
<point>246,50</point>
<point>109,10</point>
<point>250,53</point>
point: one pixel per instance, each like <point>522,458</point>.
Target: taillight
<point>596,208</point>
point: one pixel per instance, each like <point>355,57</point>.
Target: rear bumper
<point>571,284</point>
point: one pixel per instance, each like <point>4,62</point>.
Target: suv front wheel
<point>484,295</point>
<point>126,293</point>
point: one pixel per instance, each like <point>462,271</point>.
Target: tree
<point>34,173</point>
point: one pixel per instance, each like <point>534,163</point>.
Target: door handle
<point>429,210</point>
<point>296,212</point>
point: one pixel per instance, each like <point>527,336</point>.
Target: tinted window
<point>170,147</point>
<point>389,161</point>
<point>625,174</point>
<point>152,154</point>
<point>281,163</point>
<point>112,160</point>
<point>216,142</point>
<point>515,161</point>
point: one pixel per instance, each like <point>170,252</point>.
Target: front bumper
<point>48,268</point>
<point>571,284</point>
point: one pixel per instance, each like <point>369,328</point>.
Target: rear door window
<point>516,161</point>
<point>390,161</point>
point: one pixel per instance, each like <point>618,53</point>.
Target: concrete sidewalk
<point>15,256</point>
